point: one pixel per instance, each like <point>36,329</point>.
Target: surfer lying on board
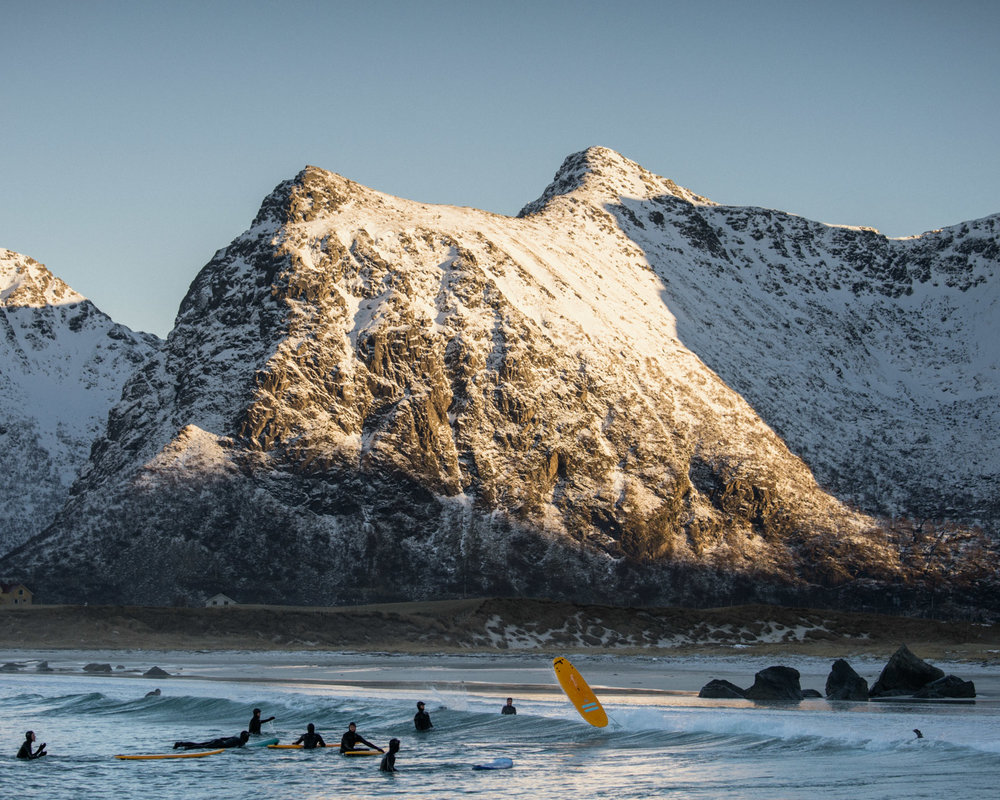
<point>256,721</point>
<point>26,752</point>
<point>215,744</point>
<point>389,759</point>
<point>422,720</point>
<point>349,741</point>
<point>310,738</point>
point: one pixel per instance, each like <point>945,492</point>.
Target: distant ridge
<point>62,366</point>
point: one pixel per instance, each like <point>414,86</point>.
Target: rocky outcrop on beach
<point>717,689</point>
<point>775,685</point>
<point>843,683</point>
<point>904,674</point>
<point>907,675</point>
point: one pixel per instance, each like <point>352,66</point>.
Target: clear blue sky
<point>139,137</point>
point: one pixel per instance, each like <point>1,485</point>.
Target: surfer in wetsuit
<point>216,744</point>
<point>422,720</point>
<point>255,722</point>
<point>310,739</point>
<point>26,752</point>
<point>509,708</point>
<point>349,741</point>
<point>389,759</point>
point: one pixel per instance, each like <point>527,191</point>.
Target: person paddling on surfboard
<point>350,739</point>
<point>26,751</point>
<point>215,744</point>
<point>389,759</point>
<point>422,720</point>
<point>256,721</point>
<point>310,739</point>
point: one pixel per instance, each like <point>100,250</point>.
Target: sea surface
<point>667,744</point>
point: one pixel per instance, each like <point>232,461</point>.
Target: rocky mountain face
<point>62,367</point>
<point>620,396</point>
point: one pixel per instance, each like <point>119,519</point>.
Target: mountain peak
<point>601,174</point>
<point>312,193</point>
<point>24,283</point>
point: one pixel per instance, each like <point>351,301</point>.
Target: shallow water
<point>659,745</point>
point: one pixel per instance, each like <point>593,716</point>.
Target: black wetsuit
<point>388,762</point>
<point>422,721</point>
<point>508,710</point>
<point>309,741</point>
<point>255,722</point>
<point>25,751</point>
<point>212,744</point>
<point>349,741</point>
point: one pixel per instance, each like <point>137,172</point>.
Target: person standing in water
<point>26,752</point>
<point>422,720</point>
<point>349,741</point>
<point>310,739</point>
<point>255,722</point>
<point>389,759</point>
<point>509,708</point>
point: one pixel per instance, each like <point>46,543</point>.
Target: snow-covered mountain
<point>616,396</point>
<point>62,367</point>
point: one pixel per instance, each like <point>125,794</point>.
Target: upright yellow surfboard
<point>579,693</point>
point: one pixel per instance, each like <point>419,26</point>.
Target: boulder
<point>811,693</point>
<point>776,685</point>
<point>721,690</point>
<point>10,666</point>
<point>155,672</point>
<point>97,668</point>
<point>948,686</point>
<point>904,674</point>
<point>843,683</point>
<point>43,666</point>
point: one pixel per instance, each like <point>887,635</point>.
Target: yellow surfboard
<point>298,746</point>
<point>579,693</point>
<point>198,754</point>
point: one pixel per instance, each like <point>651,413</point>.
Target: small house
<point>219,601</point>
<point>14,594</point>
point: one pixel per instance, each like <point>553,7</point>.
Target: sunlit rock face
<point>62,366</point>
<point>621,395</point>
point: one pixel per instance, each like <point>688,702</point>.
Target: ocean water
<point>666,744</point>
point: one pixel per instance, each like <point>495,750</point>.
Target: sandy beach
<point>498,626</point>
<point>477,645</point>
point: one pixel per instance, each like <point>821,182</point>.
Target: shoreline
<point>614,675</point>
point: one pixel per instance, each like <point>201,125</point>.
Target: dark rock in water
<point>717,689</point>
<point>43,666</point>
<point>810,693</point>
<point>155,672</point>
<point>948,686</point>
<point>843,683</point>
<point>776,685</point>
<point>10,666</point>
<point>97,668</point>
<point>904,674</point>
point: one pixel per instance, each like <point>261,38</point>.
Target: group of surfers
<point>309,740</point>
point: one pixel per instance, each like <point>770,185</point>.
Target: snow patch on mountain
<point>62,366</point>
